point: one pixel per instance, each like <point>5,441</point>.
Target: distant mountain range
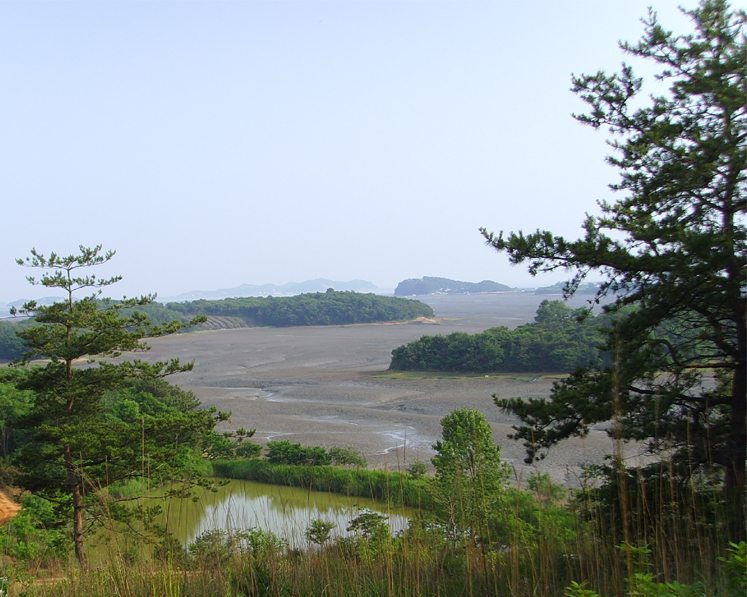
<point>47,300</point>
<point>431,285</point>
<point>291,288</point>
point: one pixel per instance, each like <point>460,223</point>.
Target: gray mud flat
<point>328,385</point>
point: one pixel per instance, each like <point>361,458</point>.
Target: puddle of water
<point>286,511</point>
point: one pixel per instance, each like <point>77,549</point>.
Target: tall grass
<point>413,565</point>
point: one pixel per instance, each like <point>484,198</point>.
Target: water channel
<point>286,511</point>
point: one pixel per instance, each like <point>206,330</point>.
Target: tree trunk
<point>734,478</point>
<point>735,487</point>
<point>72,480</point>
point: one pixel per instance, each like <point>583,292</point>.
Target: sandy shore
<point>328,385</point>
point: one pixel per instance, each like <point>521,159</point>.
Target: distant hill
<point>430,285</point>
<point>585,288</point>
<point>332,307</point>
<point>47,300</point>
<point>291,288</point>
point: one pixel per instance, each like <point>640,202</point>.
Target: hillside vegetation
<point>11,346</point>
<point>560,340</point>
<point>318,308</point>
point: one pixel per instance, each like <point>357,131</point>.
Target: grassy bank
<point>396,489</point>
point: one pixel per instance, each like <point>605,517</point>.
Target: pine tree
<point>673,250</point>
<point>73,448</point>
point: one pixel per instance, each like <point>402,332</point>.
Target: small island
<point>431,285</point>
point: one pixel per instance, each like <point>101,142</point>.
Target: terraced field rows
<point>217,322</point>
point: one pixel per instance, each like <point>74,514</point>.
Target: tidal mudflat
<point>329,385</point>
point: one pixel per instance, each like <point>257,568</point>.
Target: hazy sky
<point>219,143</point>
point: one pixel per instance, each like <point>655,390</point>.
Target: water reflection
<point>286,511</point>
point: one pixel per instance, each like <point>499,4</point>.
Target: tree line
<point>559,340</point>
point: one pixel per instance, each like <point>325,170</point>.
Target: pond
<point>286,511</point>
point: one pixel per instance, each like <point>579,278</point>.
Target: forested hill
<point>430,285</point>
<point>318,308</point>
<point>557,341</point>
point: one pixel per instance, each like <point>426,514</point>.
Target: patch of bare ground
<point>8,506</point>
<point>328,385</point>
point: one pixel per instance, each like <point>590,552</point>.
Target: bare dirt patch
<point>8,507</point>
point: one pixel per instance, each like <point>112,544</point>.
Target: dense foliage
<point>319,308</point>
<point>674,245</point>
<point>139,417</point>
<point>430,285</point>
<point>157,313</point>
<point>471,480</point>
<point>560,340</point>
<point>11,346</point>
<point>286,452</point>
<point>14,404</point>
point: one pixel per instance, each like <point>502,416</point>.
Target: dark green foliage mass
<point>14,404</point>
<point>319,308</point>
<point>559,340</point>
<point>429,285</point>
<point>11,346</point>
<point>285,452</point>
<point>229,445</point>
<point>168,394</point>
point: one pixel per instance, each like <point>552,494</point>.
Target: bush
<point>347,456</point>
<point>417,469</point>
<point>319,531</point>
<point>284,452</point>
<point>34,534</point>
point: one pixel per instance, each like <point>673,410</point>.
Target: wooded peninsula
<point>318,308</point>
